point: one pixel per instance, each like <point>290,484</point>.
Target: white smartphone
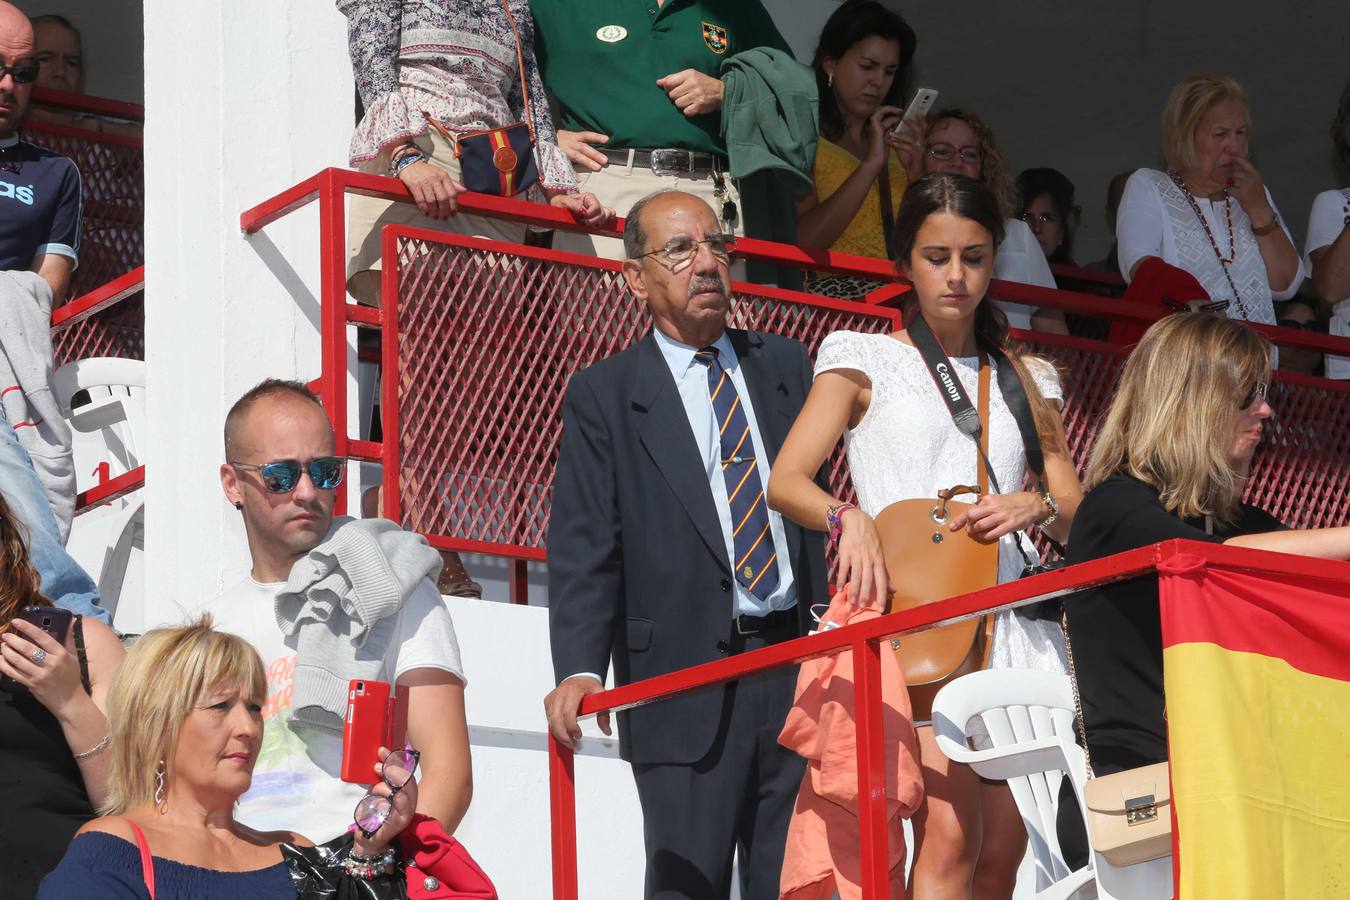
<point>923,101</point>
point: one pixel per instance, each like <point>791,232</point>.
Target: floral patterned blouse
<point>455,59</point>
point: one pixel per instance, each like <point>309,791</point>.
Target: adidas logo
<point>22,194</point>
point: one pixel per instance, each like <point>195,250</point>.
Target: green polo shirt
<point>601,60</point>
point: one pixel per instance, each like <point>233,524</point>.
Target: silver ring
<point>37,656</point>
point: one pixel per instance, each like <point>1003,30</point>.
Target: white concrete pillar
<point>244,99</point>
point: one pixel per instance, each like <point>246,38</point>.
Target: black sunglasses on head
<point>25,73</point>
<point>282,476</point>
<point>1213,306</point>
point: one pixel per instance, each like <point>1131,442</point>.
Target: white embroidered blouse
<point>1156,220</point>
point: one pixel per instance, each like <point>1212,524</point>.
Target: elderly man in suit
<point>663,554</point>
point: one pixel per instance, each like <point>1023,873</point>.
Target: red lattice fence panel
<point>488,335</point>
<point>115,330</point>
<point>1301,473</point>
<point>112,173</point>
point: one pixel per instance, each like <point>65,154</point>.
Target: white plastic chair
<point>1021,722</point>
<point>108,429</point>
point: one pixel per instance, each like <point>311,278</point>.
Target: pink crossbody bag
<point>147,861</point>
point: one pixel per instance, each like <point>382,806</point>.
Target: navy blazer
<point>638,568</point>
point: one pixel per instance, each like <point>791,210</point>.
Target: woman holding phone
<point>863,49</point>
<point>187,728</point>
<point>53,731</point>
<point>876,391</point>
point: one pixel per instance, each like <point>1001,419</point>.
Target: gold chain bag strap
<point>498,161</point>
<point>928,562</point>
<point>1129,814</point>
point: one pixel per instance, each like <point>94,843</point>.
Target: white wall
<point>114,58</point>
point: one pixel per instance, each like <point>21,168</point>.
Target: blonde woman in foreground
<point>1171,461</point>
<point>186,728</point>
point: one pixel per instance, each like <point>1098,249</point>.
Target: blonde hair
<point>1189,102</point>
<point>1170,424</point>
<point>165,675</point>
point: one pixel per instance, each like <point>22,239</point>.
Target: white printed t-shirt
<point>295,781</point>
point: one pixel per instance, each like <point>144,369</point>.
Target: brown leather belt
<point>669,161</point>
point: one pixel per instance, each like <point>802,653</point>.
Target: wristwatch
<point>1053,506</point>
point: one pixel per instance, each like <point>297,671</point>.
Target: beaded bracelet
<point>368,867</point>
<point>833,518</point>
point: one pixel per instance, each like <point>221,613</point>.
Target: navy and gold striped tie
<point>756,563</point>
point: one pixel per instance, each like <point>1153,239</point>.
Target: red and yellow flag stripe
<point>1257,678</point>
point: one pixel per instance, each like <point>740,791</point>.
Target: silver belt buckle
<point>664,162</point>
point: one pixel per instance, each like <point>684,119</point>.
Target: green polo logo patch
<point>715,36</point>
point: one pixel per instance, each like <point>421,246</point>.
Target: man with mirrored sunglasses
<point>330,599</point>
<point>39,237</point>
<point>663,554</point>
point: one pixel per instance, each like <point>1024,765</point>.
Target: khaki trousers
<point>367,216</point>
<point>620,186</point>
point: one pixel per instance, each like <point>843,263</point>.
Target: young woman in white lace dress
<point>875,391</point>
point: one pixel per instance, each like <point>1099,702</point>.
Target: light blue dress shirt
<point>691,378</point>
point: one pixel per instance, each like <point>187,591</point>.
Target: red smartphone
<point>377,716</point>
<point>52,619</point>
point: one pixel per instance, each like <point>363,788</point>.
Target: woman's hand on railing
<point>585,208</point>
<point>998,514</point>
<point>435,192</point>
<point>577,147</point>
<point>862,565</point>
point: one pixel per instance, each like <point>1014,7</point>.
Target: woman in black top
<point>1171,461</point>
<point>54,715</point>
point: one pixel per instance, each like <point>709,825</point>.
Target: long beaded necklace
<point>1214,245</point>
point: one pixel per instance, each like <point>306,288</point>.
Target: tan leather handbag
<point>1129,814</point>
<point>928,562</point>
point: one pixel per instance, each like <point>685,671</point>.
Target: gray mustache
<point>699,285</point>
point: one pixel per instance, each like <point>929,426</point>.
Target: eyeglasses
<point>1258,390</point>
<point>944,152</point>
<point>679,252</point>
<point>396,771</point>
<point>1045,218</point>
<point>1213,306</point>
<point>282,476</point>
<point>1294,323</point>
<point>24,74</point>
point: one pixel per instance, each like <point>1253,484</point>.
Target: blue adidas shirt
<point>39,206</point>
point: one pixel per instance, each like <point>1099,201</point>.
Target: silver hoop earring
<point>159,785</point>
<point>829,80</point>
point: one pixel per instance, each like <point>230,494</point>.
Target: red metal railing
<point>108,321</point>
<point>112,173</point>
<point>865,639</point>
<point>107,318</point>
<point>479,338</point>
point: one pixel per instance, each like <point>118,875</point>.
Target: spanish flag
<point>1256,670</point>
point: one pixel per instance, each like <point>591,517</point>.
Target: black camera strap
<point>963,412</point>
